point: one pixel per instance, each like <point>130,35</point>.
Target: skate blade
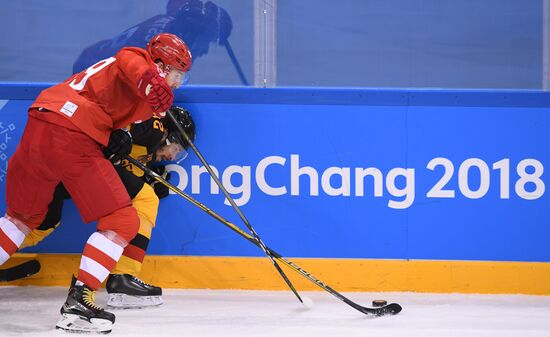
<point>123,301</point>
<point>77,324</point>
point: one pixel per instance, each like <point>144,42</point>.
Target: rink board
<point>435,186</point>
<point>256,273</point>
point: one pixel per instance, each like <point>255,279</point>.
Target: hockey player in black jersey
<point>154,141</point>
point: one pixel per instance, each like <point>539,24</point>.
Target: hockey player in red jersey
<point>154,141</point>
<point>71,127</point>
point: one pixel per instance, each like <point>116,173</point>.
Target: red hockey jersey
<point>101,98</point>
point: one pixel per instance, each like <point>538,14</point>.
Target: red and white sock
<point>11,238</point>
<point>98,259</point>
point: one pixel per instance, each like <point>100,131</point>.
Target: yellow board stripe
<point>257,273</point>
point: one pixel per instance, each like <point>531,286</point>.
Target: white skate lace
<point>140,281</point>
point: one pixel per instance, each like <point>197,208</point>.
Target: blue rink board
<point>492,145</point>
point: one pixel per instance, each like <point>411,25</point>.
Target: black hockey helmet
<point>185,121</point>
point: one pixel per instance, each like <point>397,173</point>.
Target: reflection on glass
<point>196,22</point>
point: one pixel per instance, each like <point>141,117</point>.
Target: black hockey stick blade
<point>20,271</point>
<point>390,309</point>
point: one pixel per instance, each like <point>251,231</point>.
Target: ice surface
<point>33,311</point>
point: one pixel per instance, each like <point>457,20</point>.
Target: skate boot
<point>81,314</point>
<point>127,291</point>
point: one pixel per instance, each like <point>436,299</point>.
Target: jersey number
<point>80,81</point>
<point>157,124</point>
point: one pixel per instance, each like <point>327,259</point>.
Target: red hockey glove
<point>156,90</point>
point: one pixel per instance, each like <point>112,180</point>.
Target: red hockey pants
<point>50,153</point>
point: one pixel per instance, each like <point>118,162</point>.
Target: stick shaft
<point>242,233</point>
<point>234,205</point>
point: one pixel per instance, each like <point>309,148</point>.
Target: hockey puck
<point>379,303</point>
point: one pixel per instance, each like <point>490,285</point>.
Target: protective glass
<point>174,75</point>
<point>175,151</point>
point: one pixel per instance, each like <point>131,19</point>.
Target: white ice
<point>33,311</point>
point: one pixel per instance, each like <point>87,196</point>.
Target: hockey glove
<point>160,190</point>
<point>156,90</point>
<point>120,145</point>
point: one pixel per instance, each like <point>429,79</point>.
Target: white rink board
<point>33,311</point>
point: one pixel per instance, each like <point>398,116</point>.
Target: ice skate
<point>80,314</point>
<point>127,291</point>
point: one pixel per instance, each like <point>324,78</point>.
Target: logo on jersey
<point>69,108</point>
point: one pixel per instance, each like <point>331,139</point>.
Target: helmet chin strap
<point>154,156</point>
<point>157,148</point>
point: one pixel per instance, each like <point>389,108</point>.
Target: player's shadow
<point>196,22</point>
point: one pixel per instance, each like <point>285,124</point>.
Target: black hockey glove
<point>120,145</point>
<point>160,190</point>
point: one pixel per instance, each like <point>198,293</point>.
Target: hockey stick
<point>392,308</point>
<point>235,62</point>
<point>20,271</point>
<point>233,204</point>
